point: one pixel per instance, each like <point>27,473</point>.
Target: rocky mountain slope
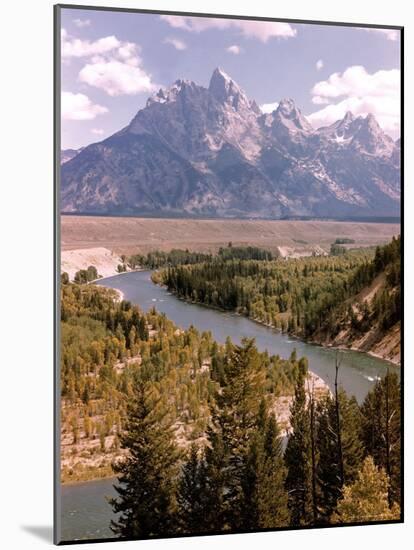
<point>212,152</point>
<point>69,154</point>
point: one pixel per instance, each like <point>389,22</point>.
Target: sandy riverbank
<point>105,261</point>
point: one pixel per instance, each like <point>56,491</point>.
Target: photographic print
<point>228,266</point>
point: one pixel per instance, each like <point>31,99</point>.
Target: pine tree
<point>272,502</point>
<point>147,477</point>
<point>298,458</point>
<point>328,468</point>
<point>381,430</point>
<point>367,498</point>
<point>191,493</point>
<point>234,423</point>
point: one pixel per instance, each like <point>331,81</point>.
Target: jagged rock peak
<point>349,117</point>
<point>288,111</point>
<point>372,123</point>
<point>166,95</point>
<point>225,89</point>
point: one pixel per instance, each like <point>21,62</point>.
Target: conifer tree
<point>298,458</point>
<point>147,477</point>
<point>191,493</point>
<point>367,498</point>
<point>381,430</point>
<point>234,423</point>
<point>328,468</point>
<point>271,475</point>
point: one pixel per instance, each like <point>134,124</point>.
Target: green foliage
<point>298,458</point>
<point>381,430</point>
<point>301,296</point>
<point>299,293</point>
<point>86,275</point>
<point>367,498</point>
<point>175,257</point>
<point>64,278</point>
<point>244,253</point>
<point>157,259</point>
<point>344,240</point>
<point>266,498</point>
<point>337,250</point>
<point>147,476</point>
<point>191,493</point>
<point>203,449</point>
<point>327,441</point>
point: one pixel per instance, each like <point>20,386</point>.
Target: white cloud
<point>390,34</point>
<point>98,131</point>
<point>234,49</point>
<point>356,81</point>
<point>319,100</point>
<point>75,47</point>
<point>360,92</point>
<point>82,23</point>
<point>113,66</point>
<point>79,107</point>
<point>269,107</point>
<point>177,43</point>
<point>116,77</point>
<point>319,64</point>
<point>261,30</point>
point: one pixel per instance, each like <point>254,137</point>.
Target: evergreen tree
<point>147,477</point>
<point>234,425</point>
<point>298,458</point>
<point>191,493</point>
<point>381,430</point>
<point>367,498</point>
<point>272,509</point>
<point>328,468</point>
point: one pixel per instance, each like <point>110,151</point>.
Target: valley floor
<point>287,237</point>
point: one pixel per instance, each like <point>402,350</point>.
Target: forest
<point>300,296</point>
<point>199,448</point>
<point>104,343</point>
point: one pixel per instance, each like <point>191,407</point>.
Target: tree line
<point>301,296</point>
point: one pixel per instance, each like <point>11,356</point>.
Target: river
<point>85,511</point>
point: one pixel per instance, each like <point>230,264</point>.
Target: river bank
<point>380,351</point>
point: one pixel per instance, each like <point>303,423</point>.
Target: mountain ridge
<point>211,151</point>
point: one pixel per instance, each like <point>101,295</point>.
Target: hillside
<point>370,320</point>
<point>348,299</point>
<point>212,152</point>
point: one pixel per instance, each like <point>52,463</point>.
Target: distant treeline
<point>300,296</point>
<point>157,259</point>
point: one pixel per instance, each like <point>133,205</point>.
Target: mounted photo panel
<point>228,250</point>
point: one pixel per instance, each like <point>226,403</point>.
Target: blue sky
<point>112,62</point>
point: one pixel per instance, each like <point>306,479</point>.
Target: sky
<point>111,62</point>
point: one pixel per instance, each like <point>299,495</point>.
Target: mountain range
<point>196,151</point>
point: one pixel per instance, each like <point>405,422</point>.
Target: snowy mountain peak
<point>210,151</point>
